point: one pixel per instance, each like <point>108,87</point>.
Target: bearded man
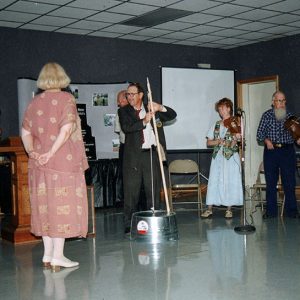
<point>279,156</point>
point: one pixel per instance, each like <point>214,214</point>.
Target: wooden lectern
<point>17,228</point>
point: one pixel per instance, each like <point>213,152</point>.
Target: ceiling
<point>222,24</point>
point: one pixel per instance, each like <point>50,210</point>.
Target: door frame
<point>241,85</point>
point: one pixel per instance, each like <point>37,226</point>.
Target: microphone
<point>239,112</point>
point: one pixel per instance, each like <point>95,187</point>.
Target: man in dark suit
<point>140,161</point>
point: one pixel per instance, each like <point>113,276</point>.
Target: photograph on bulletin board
<point>109,119</point>
<point>74,91</point>
<point>100,99</point>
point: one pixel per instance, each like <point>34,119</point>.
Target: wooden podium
<point>16,228</point>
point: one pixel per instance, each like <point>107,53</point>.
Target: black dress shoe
<point>294,216</point>
<point>268,216</point>
<point>127,230</point>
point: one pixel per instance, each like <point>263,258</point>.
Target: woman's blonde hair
<point>53,76</point>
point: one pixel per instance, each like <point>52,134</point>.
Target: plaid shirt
<point>272,129</point>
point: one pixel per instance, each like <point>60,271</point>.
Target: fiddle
<point>292,124</point>
<point>233,125</point>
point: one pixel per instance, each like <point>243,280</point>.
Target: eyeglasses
<point>280,100</point>
<point>131,94</point>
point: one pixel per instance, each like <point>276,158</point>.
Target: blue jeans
<point>283,159</point>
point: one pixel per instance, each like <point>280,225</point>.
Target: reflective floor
<point>209,261</point>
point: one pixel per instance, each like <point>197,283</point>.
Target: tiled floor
<point>209,261</point>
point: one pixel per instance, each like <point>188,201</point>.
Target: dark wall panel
<point>277,57</point>
<point>88,59</point>
<point>99,60</point>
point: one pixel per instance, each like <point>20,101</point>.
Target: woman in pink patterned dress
<point>51,134</point>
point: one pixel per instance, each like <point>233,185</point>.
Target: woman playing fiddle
<point>225,181</point>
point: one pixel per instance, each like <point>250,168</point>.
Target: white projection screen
<point>192,93</point>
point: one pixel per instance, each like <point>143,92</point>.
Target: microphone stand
<point>244,228</point>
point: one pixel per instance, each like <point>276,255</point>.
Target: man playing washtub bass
<point>135,120</point>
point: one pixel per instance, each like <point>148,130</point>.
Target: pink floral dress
<point>57,189</point>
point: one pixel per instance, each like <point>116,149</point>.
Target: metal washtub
<point>154,226</point>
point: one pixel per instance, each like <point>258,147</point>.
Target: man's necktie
<point>137,112</point>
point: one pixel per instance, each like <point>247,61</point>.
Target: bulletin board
<point>101,107</point>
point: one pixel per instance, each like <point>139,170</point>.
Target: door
<point>254,96</point>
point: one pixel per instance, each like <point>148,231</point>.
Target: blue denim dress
<point>225,176</point>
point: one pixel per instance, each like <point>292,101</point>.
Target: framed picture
<point>109,119</point>
<point>100,99</point>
